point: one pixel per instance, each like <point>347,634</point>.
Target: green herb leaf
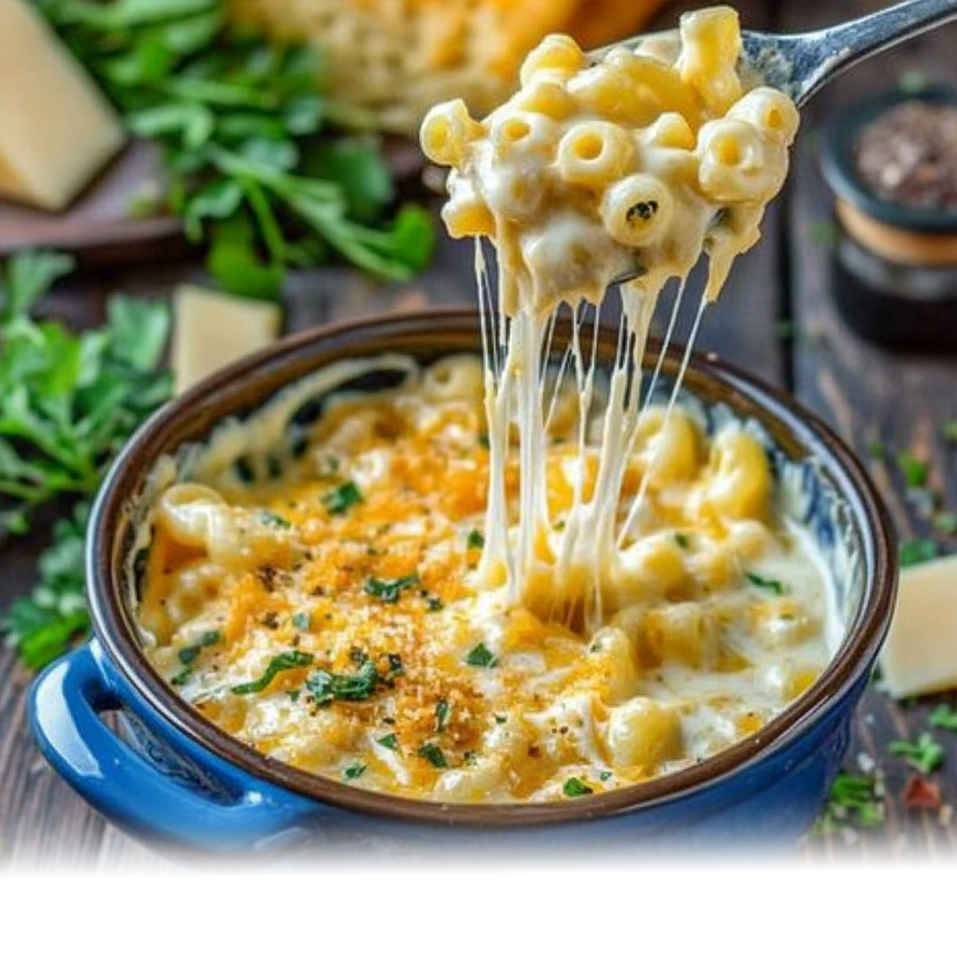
<point>682,540</point>
<point>354,771</point>
<point>481,657</point>
<point>914,470</point>
<point>275,521</point>
<point>390,741</point>
<point>476,539</point>
<point>443,711</point>
<point>769,584</point>
<point>925,754</point>
<point>948,430</point>
<point>190,653</point>
<point>285,661</point>
<point>917,550</point>
<point>945,523</point>
<point>433,754</point>
<point>390,590</point>
<point>301,620</point>
<point>853,799</point>
<point>327,686</point>
<point>575,787</point>
<point>246,139</point>
<point>943,716</point>
<point>69,403</point>
<point>341,499</point>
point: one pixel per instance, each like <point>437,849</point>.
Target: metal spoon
<point>800,64</point>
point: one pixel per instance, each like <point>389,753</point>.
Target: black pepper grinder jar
<point>891,163</point>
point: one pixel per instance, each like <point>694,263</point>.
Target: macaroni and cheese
<point>316,592</point>
<point>515,578</point>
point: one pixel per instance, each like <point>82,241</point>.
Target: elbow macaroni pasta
<point>359,557</point>
<point>408,599</point>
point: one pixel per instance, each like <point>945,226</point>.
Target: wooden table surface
<point>778,318</point>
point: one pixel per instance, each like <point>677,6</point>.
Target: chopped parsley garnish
<point>604,776</point>
<point>925,754</point>
<point>355,770</point>
<point>945,523</point>
<point>501,718</point>
<point>390,590</point>
<point>327,686</point>
<point>476,539</point>
<point>341,499</point>
<point>390,741</point>
<point>433,754</point>
<point>395,670</point>
<point>943,716</point>
<point>769,584</point>
<point>434,604</point>
<point>917,550</point>
<point>285,661</point>
<point>854,799</point>
<point>190,653</point>
<point>481,657</point>
<point>483,440</point>
<point>249,161</point>
<point>301,620</point>
<point>913,469</point>
<point>682,540</point>
<point>575,788</point>
<point>443,711</point>
<point>274,520</point>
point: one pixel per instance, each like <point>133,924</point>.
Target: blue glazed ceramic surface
<point>165,773</point>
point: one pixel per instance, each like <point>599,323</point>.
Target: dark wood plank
<point>869,394</point>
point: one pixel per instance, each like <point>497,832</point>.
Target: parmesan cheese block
<point>212,329</point>
<point>57,130</point>
<point>920,655</point>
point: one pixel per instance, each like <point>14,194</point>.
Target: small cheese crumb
<point>212,329</point>
<point>920,655</point>
<point>57,130</point>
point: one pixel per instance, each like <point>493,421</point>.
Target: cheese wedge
<point>57,130</point>
<point>212,329</point>
<point>920,655</point>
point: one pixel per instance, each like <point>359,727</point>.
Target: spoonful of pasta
<point>798,65</point>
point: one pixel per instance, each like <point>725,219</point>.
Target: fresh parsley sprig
<point>70,401</point>
<point>244,132</point>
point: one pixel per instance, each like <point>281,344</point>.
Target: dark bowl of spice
<point>891,163</point>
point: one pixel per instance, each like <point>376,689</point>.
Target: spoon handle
<point>801,64</point>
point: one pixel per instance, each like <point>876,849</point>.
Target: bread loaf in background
<point>396,58</point>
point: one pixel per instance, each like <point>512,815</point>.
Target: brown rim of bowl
<point>456,329</point>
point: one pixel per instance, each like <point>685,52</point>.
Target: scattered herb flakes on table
<point>245,133</point>
<point>70,402</point>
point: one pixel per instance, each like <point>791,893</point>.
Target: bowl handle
<point>180,795</point>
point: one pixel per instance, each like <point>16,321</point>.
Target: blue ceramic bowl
<point>165,772</point>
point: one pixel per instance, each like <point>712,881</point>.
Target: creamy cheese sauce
<point>515,579</point>
<point>633,166</point>
<point>320,596</point>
